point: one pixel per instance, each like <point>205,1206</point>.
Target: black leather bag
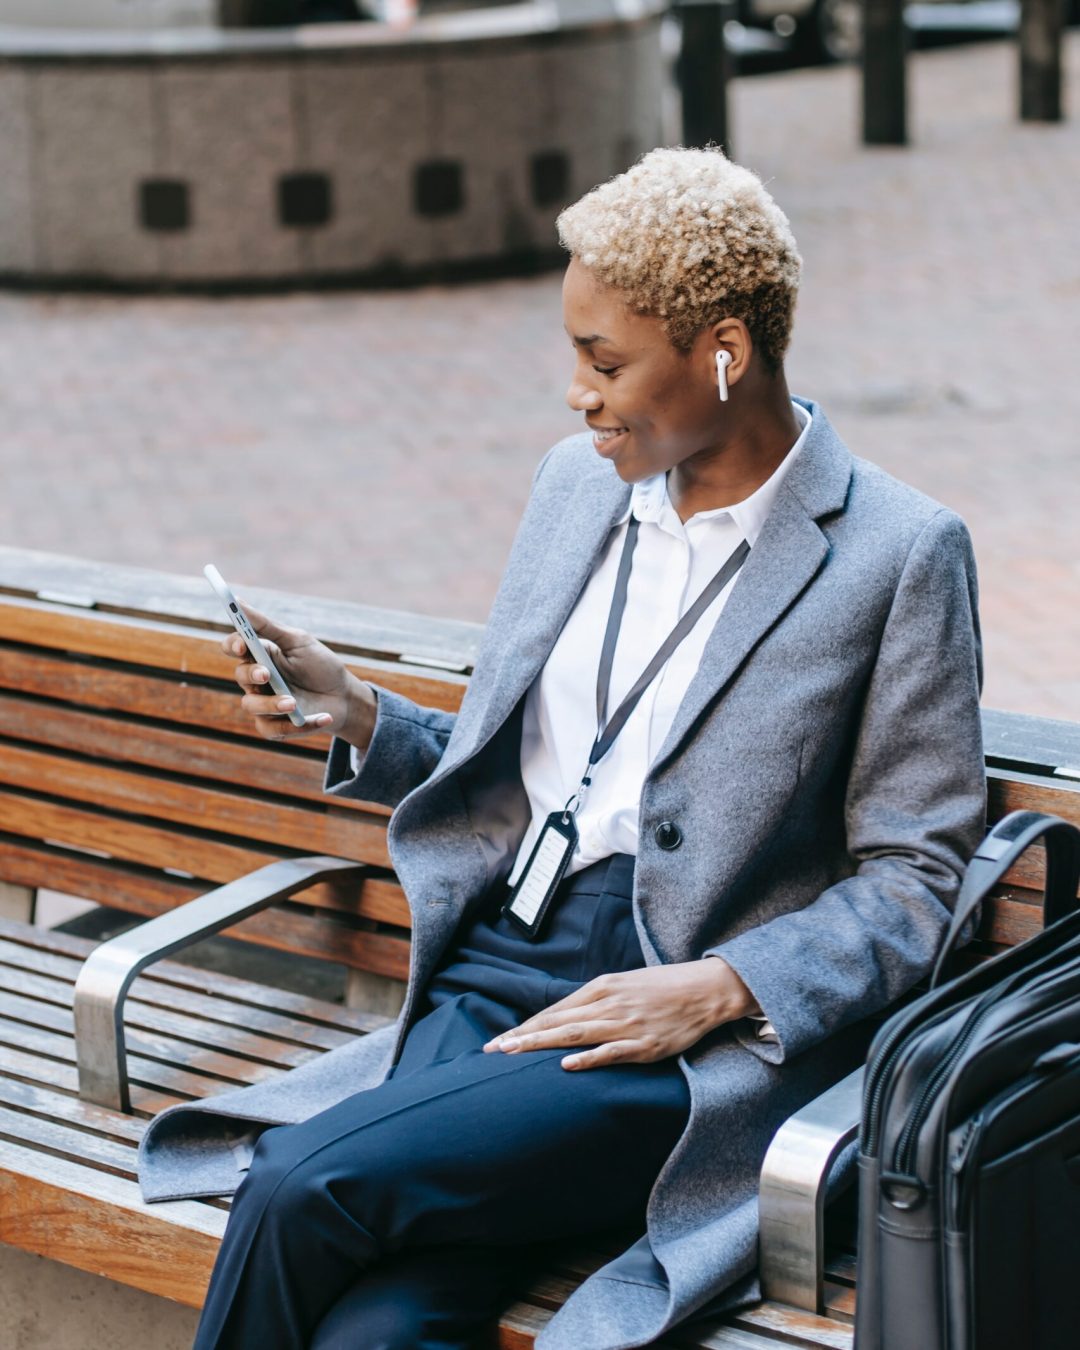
<point>969,1153</point>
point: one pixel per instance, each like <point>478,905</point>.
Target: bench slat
<point>129,840</point>
<point>203,1076</point>
<point>61,1141</point>
<point>315,931</point>
<point>840,1301</point>
<point>51,1073</point>
<point>204,751</point>
<point>34,1100</point>
<point>229,1063</point>
<point>98,1222</point>
<point>106,687</point>
<point>351,835</point>
<point>215,984</point>
<point>140,890</point>
<point>188,651</point>
<point>29,997</point>
<point>795,1327</point>
<point>519,1326</point>
<point>1027,792</point>
<point>60,972</point>
<point>840,1267</point>
<point>367,629</point>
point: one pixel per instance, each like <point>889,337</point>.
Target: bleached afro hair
<point>691,238</point>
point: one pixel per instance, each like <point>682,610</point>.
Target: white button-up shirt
<point>673,562</point>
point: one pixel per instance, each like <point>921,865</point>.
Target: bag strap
<point>996,854</point>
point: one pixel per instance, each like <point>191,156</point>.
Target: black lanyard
<point>607,732</point>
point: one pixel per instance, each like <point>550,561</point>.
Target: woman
<point>704,809</point>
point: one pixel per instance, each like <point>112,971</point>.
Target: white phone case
<point>251,638</point>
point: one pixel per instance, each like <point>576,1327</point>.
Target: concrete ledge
<point>354,153</point>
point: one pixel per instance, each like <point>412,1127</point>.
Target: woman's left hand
<point>636,1016</point>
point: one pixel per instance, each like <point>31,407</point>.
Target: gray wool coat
<point>825,770</point>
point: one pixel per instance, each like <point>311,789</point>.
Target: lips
<point>605,439</point>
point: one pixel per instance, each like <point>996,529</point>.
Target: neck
<point>756,441</point>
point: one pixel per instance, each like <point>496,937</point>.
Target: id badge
<point>528,902</point>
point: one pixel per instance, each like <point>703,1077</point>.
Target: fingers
<point>277,727</point>
<point>589,1004</point>
<point>271,714</point>
<point>589,1031</point>
<point>266,628</point>
<point>251,678</point>
<point>608,1043</point>
<point>613,1052</point>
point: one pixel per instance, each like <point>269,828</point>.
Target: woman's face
<point>648,405</point>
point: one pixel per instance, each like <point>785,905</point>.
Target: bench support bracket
<point>794,1180</point>
<point>109,970</point>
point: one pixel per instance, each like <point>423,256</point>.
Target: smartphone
<point>259,654</point>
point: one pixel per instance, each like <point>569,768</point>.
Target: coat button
<point>668,835</point>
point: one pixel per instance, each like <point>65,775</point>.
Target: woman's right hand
<point>328,692</point>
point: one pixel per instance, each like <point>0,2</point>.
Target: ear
<point>733,336</point>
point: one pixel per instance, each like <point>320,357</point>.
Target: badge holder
<point>527,904</point>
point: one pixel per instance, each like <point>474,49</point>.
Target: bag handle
<point>996,854</point>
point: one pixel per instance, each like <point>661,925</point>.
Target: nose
<point>581,397</point>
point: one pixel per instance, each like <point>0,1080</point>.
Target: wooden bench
<point>129,777</point>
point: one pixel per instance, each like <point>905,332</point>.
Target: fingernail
<point>323,720</point>
<point>259,675</point>
<point>286,704</point>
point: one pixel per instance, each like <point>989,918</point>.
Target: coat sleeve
<point>915,809</point>
<point>405,749</point>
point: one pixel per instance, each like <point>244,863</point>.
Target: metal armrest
<point>108,971</point>
<point>794,1176</point>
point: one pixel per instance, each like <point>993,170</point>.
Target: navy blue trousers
<point>403,1218</point>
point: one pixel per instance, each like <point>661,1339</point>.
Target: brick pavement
<point>379,447</point>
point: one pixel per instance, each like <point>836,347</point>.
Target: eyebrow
<point>589,341</point>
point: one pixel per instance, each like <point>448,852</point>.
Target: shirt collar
<point>649,500</point>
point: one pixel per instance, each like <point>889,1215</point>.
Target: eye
<point>605,370</point>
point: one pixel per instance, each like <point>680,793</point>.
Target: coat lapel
<point>786,557</point>
<point>575,541</point>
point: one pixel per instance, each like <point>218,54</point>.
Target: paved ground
<point>379,447</point>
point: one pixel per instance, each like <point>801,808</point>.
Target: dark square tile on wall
<point>164,204</point>
<point>550,175</point>
<point>305,199</point>
<point>439,188</point>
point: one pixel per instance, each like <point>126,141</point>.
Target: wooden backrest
<point>129,776</point>
<point>1031,766</point>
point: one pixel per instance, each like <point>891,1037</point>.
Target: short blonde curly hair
<point>691,238</point>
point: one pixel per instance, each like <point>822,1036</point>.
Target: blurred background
<point>279,286</point>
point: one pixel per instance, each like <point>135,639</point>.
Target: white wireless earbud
<point>723,360</point>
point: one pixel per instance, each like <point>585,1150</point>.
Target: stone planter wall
<point>342,152</point>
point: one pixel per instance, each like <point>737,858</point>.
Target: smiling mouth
<point>605,437</point>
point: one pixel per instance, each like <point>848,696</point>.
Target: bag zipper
<point>904,1153</point>
<point>906,1145</point>
<point>891,1047</point>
